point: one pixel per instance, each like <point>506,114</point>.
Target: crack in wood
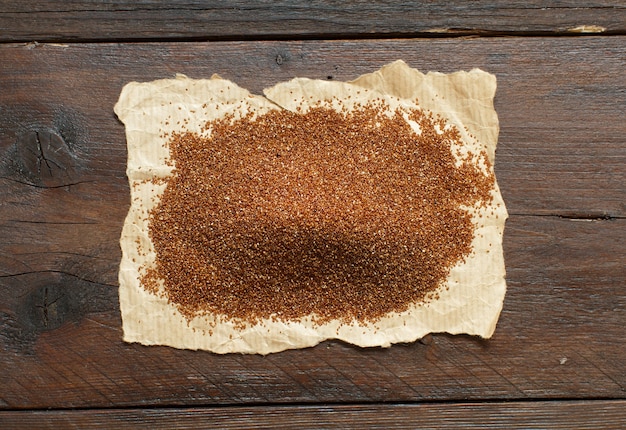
<point>589,217</point>
<point>42,157</point>
<point>54,222</point>
<point>59,272</point>
<point>45,306</point>
<point>78,254</point>
<point>571,216</point>
<point>69,184</point>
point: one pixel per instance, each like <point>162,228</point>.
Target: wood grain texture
<point>560,102</point>
<point>561,165</point>
<point>60,20</point>
<point>565,415</point>
<point>560,335</point>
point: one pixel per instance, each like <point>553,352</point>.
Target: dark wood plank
<point>561,155</point>
<point>560,335</point>
<point>60,20</point>
<point>601,414</point>
<point>560,103</point>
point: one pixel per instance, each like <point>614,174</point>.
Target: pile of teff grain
<point>345,216</point>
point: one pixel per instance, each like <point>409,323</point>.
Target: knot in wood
<point>45,159</point>
<point>46,307</point>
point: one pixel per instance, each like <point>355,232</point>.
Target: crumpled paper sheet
<point>470,305</point>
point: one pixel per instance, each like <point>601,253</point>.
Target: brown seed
<point>340,215</point>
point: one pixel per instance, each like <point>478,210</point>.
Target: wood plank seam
<point>440,34</point>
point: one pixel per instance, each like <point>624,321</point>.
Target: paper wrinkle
<point>470,304</point>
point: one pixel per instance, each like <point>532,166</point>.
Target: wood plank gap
<point>329,404</point>
<point>450,33</point>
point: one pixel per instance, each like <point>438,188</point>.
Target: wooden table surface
<point>558,356</point>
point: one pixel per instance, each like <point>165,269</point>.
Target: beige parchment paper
<point>475,291</point>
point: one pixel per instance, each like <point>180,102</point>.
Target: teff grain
<point>344,216</point>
